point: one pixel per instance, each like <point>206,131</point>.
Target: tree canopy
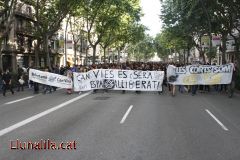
<point>196,18</point>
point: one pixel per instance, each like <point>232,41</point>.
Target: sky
<point>151,10</point>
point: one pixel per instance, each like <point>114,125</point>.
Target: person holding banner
<point>47,87</point>
<point>171,78</point>
<point>231,86</point>
<point>69,75</point>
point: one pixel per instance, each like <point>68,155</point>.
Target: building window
<point>29,10</point>
<point>29,44</point>
<point>19,24</point>
<point>42,62</point>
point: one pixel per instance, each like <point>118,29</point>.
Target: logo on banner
<point>109,83</point>
<point>51,79</point>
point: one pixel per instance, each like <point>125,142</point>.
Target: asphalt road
<point>116,126</point>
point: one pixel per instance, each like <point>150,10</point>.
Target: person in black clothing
<point>232,85</point>
<point>62,70</point>
<point>56,70</point>
<point>47,88</point>
<point>7,82</point>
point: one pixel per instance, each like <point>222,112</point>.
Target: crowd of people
<point>6,78</point>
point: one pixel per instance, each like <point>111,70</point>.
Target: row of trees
<point>109,23</point>
<point>143,49</point>
<point>186,22</point>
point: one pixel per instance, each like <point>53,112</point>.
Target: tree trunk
<point>1,64</point>
<point>113,57</point>
<point>46,51</point>
<point>75,53</point>
<point>201,52</point>
<point>94,53</point>
<point>210,48</point>
<point>36,52</point>
<point>184,56</point>
<point>104,55</point>
<point>188,53</point>
<point>224,47</point>
<point>81,50</point>
<point>237,56</point>
<point>86,58</point>
<point>179,57</point>
<point>109,59</point>
<point>118,61</point>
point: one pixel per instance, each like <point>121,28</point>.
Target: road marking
<point>19,100</point>
<point>215,118</point>
<point>37,116</point>
<point>126,114</point>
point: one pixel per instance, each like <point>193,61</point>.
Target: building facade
<point>17,46</point>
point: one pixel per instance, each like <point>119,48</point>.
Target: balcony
<point>25,31</point>
<point>24,14</point>
<point>8,48</point>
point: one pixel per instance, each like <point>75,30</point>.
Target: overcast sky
<point>151,10</point>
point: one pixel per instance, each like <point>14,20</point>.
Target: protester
<point>20,81</point>
<point>47,88</point>
<point>1,81</point>
<point>56,70</point>
<point>62,70</point>
<point>69,74</point>
<point>138,67</point>
<point>7,82</point>
<point>233,82</point>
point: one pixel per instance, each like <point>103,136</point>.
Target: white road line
<point>215,118</point>
<point>19,100</point>
<point>37,116</point>
<point>126,114</point>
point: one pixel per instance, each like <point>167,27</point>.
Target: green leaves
<point>142,50</point>
<point>194,18</point>
<point>109,21</point>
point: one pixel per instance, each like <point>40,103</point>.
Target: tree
<point>173,39</point>
<point>77,31</point>
<point>49,16</point>
<point>107,40</point>
<point>102,15</point>
<point>190,19</point>
<point>143,50</point>
<point>203,17</point>
<point>235,22</point>
<point>7,8</point>
<point>130,37</point>
<point>161,47</point>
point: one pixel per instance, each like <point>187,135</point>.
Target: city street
<point>116,126</point>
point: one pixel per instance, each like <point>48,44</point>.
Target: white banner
<point>200,74</point>
<point>50,79</point>
<point>118,80</point>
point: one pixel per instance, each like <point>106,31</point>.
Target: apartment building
<point>17,47</point>
<point>67,37</point>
